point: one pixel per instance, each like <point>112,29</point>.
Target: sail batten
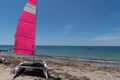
<point>25,33</point>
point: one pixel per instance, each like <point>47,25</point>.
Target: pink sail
<point>25,34</point>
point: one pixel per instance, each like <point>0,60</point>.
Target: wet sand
<point>58,70</point>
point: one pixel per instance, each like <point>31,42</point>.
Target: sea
<point>91,54</point>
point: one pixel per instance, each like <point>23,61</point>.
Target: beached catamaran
<point>25,37</point>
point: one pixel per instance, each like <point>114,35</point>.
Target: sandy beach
<point>58,70</point>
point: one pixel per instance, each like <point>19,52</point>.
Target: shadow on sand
<point>34,73</point>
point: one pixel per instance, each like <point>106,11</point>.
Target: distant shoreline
<point>100,62</point>
<point>89,54</point>
<point>72,45</point>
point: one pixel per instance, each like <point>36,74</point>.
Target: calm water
<point>111,53</point>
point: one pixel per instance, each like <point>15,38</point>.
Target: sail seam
<point>26,21</point>
<point>23,49</point>
<point>24,37</point>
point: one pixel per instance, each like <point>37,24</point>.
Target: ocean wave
<point>99,61</point>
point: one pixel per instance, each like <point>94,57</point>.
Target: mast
<point>35,33</point>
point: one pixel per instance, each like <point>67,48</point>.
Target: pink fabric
<point>25,34</point>
<point>32,2</point>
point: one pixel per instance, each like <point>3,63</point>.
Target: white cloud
<point>101,37</point>
<point>117,29</point>
<point>110,36</point>
<point>69,28</point>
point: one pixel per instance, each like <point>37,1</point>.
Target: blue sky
<point>66,22</point>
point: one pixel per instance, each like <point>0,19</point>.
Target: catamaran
<point>25,38</point>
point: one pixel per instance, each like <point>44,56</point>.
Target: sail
<point>25,33</point>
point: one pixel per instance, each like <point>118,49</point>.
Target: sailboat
<point>25,38</point>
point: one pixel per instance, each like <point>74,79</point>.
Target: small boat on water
<point>3,50</point>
